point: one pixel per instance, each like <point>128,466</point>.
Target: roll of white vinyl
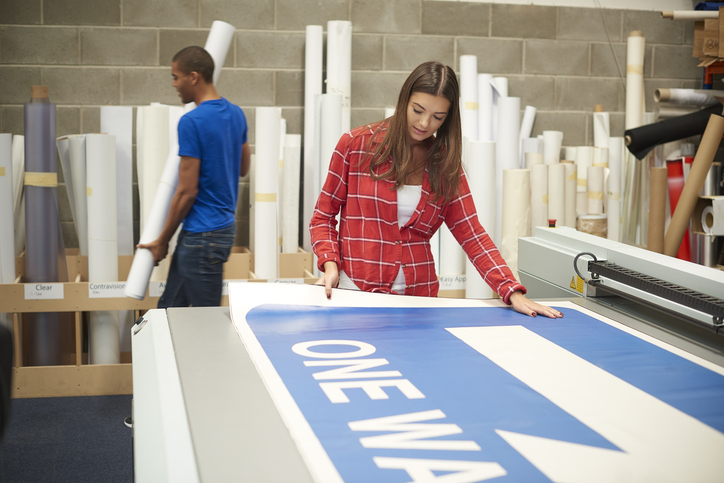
<point>707,217</point>
<point>102,242</point>
<point>506,151</point>
<point>595,190</point>
<point>217,44</point>
<point>330,131</point>
<point>313,48</point>
<point>634,79</point>
<point>516,214</point>
<point>688,97</point>
<point>62,145</point>
<point>77,155</point>
<point>469,96</point>
<point>452,257</point>
<point>500,89</point>
<point>480,170</point>
<point>557,193</point>
<point>552,141</point>
<point>601,129</point>
<point>485,107</point>
<point>584,159</point>
<point>600,157</point>
<point>290,229</point>
<point>539,196</point>
<point>339,65</point>
<point>526,127</point>
<point>280,181</point>
<point>571,180</point>
<point>533,158</point>
<point>569,153</point>
<point>7,222</point>
<point>18,192</point>
<point>266,256</point>
<point>613,205</point>
<point>435,249</point>
<point>155,153</point>
<point>118,120</point>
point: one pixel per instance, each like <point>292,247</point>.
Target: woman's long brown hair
<point>444,158</point>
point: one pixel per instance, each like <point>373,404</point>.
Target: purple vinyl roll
<point>44,241</point>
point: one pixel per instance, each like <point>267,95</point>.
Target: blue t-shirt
<point>213,133</point>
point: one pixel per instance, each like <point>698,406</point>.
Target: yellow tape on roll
<point>582,182</point>
<point>88,191</point>
<point>2,171</point>
<point>595,195</point>
<point>635,69</point>
<point>473,106</point>
<point>43,180</point>
<point>265,197</point>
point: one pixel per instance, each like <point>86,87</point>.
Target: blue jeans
<point>195,276</point>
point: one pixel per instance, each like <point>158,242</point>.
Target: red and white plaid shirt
<point>370,246</point>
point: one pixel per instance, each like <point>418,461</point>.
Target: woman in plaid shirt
<point>395,182</point>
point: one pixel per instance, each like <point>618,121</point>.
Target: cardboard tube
<point>657,209</point>
<point>695,182</point>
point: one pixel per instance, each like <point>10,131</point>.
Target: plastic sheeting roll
<point>480,170</point>
<point>485,107</point>
<point>290,230</point>
<point>218,43</point>
<point>118,121</point>
<point>102,242</point>
<point>506,152</point>
<point>19,192</point>
<point>312,87</point>
<point>557,193</point>
<point>688,97</point>
<point>657,210</point>
<point>601,129</point>
<point>516,214</point>
<point>539,196</point>
<point>571,191</point>
<point>593,225</point>
<point>7,232</point>
<point>469,96</point>
<point>339,65</point>
<point>77,175</point>
<point>266,256</point>
<point>594,190</point>
<point>552,141</point>
<point>526,127</point>
<point>634,79</point>
<point>613,205</point>
<point>694,183</point>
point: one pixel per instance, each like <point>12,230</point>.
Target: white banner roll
<point>584,159</point>
<point>339,65</point>
<point>569,153</point>
<point>469,96</point>
<point>570,196</point>
<point>480,170</point>
<point>77,155</point>
<point>613,206</point>
<point>600,157</point>
<point>266,244</point>
<point>150,164</point>
<point>290,231</point>
<point>217,44</point>
<point>533,146</point>
<point>688,97</point>
<point>516,214</point>
<point>452,257</point>
<point>506,151</point>
<point>485,107</point>
<point>331,112</point>
<point>280,182</point>
<point>62,145</point>
<point>526,127</point>
<point>557,193</point>
<point>595,190</point>
<point>102,242</point>
<point>552,141</point>
<point>500,89</point>
<point>539,196</point>
<point>601,129</point>
<point>7,222</point>
<point>635,47</point>
<point>18,192</point>
<point>312,87</point>
<point>435,249</point>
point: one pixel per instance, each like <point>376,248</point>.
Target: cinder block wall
<point>118,52</point>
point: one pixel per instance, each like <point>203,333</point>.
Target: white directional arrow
<point>658,442</point>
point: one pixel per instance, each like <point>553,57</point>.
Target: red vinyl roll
<point>675,168</point>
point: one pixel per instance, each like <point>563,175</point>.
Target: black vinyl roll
<point>643,139</point>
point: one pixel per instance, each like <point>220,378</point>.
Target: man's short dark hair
<point>195,59</point>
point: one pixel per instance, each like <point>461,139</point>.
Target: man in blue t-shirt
<point>214,152</point>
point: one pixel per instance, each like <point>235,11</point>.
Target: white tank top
<point>408,198</point>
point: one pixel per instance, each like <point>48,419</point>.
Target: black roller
<point>643,139</point>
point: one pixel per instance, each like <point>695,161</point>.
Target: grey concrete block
<point>90,120</point>
<point>250,114</point>
<point>24,12</point>
<point>376,90</point>
<point>270,50</point>
<point>604,64</point>
<point>16,82</point>
<point>87,85</point>
<point>655,29</point>
<point>141,87</point>
<point>114,46</point>
<point>362,117</point>
<point>247,88</point>
<point>67,121</point>
<point>589,24</point>
<point>82,12</point>
<point>295,119</point>
<point>456,18</point>
<point>536,91</point>
<point>171,41</point>
<point>367,52</point>
<point>675,61</point>
<point>161,13</point>
<point>580,93</point>
<point>690,84</point>
<point>13,120</point>
<point>523,21</point>
<point>689,33</point>
<point>557,58</point>
<point>495,56</point>
<point>289,88</point>
<point>258,14</point>
<point>407,52</point>
<point>38,45</point>
<point>390,16</point>
<point>617,122</point>
<point>573,125</point>
<point>70,237</point>
<point>297,14</point>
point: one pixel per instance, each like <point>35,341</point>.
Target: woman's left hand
<point>521,304</point>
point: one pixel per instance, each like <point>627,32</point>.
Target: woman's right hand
<point>330,278</point>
